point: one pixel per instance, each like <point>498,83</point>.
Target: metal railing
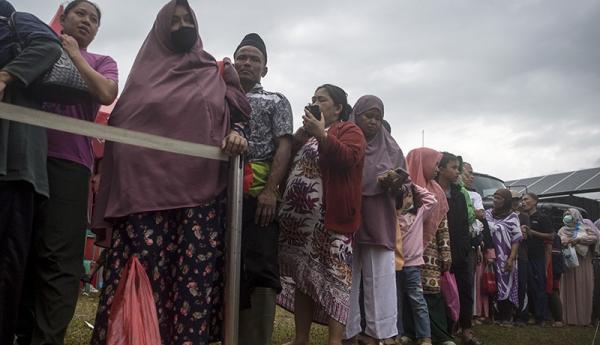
<point>235,186</point>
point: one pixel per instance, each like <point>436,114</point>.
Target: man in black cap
<point>269,152</point>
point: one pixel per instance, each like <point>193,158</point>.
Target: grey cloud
<point>471,73</point>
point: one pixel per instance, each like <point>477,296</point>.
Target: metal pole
<point>233,245</point>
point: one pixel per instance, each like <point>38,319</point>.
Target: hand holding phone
<point>393,179</point>
<point>314,110</point>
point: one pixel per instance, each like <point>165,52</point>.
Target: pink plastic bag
<point>450,294</point>
<point>133,319</point>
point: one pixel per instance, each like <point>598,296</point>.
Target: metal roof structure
<point>567,183</point>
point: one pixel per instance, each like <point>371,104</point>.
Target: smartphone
<point>387,177</point>
<point>403,173</point>
<point>314,110</point>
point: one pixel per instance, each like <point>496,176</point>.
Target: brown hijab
<point>506,208</point>
<point>176,95</point>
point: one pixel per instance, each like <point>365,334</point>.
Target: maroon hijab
<point>176,95</point>
<point>382,152</point>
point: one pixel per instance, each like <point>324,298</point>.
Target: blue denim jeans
<point>410,295</point>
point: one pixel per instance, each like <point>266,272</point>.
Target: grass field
<point>79,333</point>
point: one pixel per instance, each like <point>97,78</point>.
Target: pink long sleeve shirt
<point>410,236</point>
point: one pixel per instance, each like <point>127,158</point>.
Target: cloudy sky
<point>512,86</point>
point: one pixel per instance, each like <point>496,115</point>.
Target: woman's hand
<point>391,180</point>
<point>234,144</point>
<point>445,266</point>
<point>314,127</point>
<point>524,231</point>
<point>301,135</point>
<point>70,45</point>
<point>5,79</point>
<point>508,266</point>
<point>572,241</point>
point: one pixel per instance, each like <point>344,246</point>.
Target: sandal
<point>366,340</point>
<point>404,340</point>
<point>351,341</point>
<point>470,339</point>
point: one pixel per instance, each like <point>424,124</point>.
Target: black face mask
<point>184,39</point>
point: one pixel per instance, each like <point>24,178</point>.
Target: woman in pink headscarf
<point>169,209</point>
<point>423,167</point>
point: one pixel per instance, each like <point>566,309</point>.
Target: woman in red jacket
<point>319,213</point>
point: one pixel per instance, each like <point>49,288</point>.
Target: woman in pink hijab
<point>164,208</point>
<point>422,166</point>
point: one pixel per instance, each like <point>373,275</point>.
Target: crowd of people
<point>339,227</point>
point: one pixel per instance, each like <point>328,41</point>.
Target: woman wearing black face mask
<point>183,29</point>
<point>169,209</point>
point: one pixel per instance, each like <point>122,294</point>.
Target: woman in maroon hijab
<point>169,209</point>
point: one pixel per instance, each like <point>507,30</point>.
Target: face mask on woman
<point>568,219</point>
<point>184,38</point>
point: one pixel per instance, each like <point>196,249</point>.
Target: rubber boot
<point>256,323</point>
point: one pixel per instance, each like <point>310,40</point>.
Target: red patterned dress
<point>312,259</point>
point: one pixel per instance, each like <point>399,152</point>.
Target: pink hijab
<point>176,95</point>
<point>421,162</point>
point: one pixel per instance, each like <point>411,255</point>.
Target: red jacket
<point>341,163</point>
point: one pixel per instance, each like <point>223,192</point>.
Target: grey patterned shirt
<point>271,118</point>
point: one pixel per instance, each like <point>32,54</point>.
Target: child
<point>417,204</point>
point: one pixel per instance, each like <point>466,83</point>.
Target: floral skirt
<point>183,252</point>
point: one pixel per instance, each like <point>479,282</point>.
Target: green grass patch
<point>80,334</point>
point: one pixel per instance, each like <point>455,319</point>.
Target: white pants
<point>376,266</point>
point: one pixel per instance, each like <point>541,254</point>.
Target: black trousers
<point>505,310</point>
<point>555,305</point>
<point>260,258</point>
<point>596,299</point>
<point>536,285</point>
<point>522,314</point>
<point>464,274</point>
<point>56,263</point>
<point>19,205</point>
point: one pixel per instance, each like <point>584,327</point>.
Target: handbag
<point>488,280</point>
<point>450,295</point>
<point>61,83</point>
<point>570,256</point>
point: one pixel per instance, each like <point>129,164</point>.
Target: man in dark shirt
<point>539,230</point>
<point>463,263</point>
